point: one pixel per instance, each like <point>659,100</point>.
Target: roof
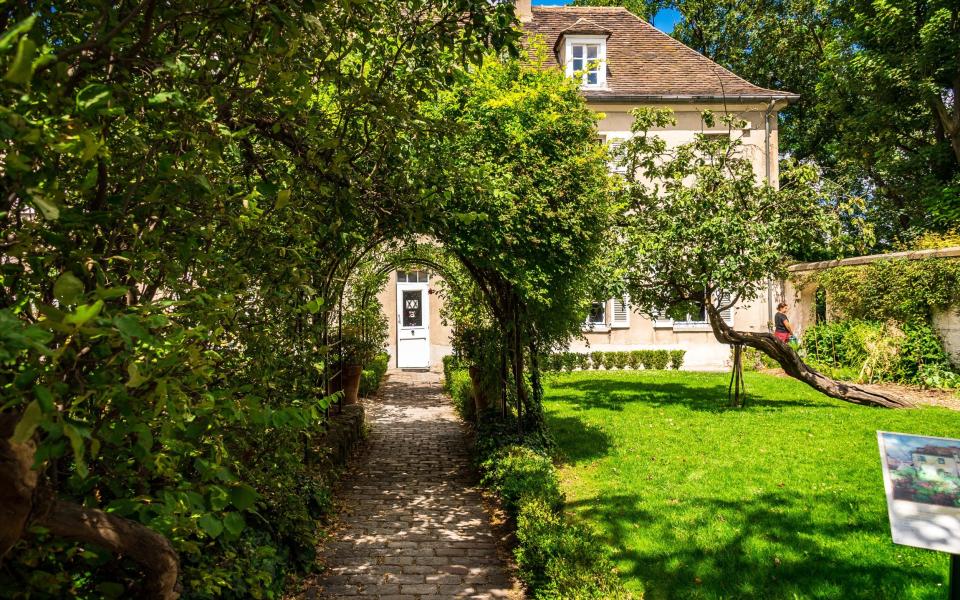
<point>938,450</point>
<point>643,63</point>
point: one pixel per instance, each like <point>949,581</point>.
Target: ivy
<point>907,291</point>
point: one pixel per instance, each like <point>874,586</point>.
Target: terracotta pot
<point>351,383</point>
<point>480,400</point>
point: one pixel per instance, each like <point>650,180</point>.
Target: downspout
<point>767,169</point>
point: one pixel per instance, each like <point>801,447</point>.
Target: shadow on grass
<point>770,548</point>
<point>583,441</point>
<point>612,394</point>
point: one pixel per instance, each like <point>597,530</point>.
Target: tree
<point>526,208</point>
<point>878,106</point>
<point>182,184</point>
<point>700,229</point>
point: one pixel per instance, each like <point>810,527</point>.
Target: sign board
<point>921,475</point>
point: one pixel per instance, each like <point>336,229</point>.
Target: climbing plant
<point>908,291</point>
<point>183,184</point>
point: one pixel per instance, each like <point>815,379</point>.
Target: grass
<point>782,499</point>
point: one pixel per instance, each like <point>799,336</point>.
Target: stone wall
<point>344,433</point>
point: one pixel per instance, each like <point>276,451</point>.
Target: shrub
<point>754,360</point>
<point>596,359</point>
<point>372,375</point>
<point>660,359</point>
<point>610,360</point>
<point>560,560</point>
<point>583,360</point>
<point>518,472</point>
<point>676,358</point>
<point>450,364</point>
<point>634,359</point>
<point>621,359</point>
<point>461,392</point>
<point>869,351</point>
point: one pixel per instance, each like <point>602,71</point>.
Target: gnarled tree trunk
<point>22,503</point>
<point>794,366</point>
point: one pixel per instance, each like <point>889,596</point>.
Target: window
<point>616,163</point>
<point>940,461</point>
<point>413,276</point>
<point>586,57</point>
<point>922,458</point>
<point>597,314</point>
<point>698,319</point>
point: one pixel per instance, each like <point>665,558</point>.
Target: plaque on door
<point>412,308</point>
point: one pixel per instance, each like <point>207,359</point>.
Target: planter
<point>351,383</point>
<point>480,400</point>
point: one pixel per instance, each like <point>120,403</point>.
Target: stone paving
<point>413,524</point>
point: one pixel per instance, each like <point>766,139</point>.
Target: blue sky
<point>664,20</point>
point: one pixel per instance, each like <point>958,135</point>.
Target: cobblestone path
<point>412,524</point>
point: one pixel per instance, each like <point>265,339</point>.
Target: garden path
<point>413,523</point>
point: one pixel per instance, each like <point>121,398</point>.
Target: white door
<point>413,325</point>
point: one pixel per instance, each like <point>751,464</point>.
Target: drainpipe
<point>766,165</point>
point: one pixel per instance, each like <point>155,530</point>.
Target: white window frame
<point>689,324</point>
<point>587,40</point>
<point>594,327</point>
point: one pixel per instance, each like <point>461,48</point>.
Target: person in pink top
<point>782,327</point>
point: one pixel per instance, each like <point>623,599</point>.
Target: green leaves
<point>28,423</point>
<point>68,289</point>
<point>84,314</point>
<point>21,69</point>
<point>242,496</point>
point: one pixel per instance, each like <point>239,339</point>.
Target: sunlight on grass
<point>782,499</point>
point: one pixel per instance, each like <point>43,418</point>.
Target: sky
<point>664,20</point>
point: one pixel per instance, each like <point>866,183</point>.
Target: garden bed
<point>781,499</point>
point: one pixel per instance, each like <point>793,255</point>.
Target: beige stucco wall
<point>617,121</point>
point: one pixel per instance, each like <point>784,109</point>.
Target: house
<point>623,62</point>
<point>934,462</point>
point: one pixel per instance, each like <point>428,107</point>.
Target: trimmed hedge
<point>371,376</point>
<point>558,559</point>
<point>633,359</point>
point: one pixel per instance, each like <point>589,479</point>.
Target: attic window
<point>586,57</point>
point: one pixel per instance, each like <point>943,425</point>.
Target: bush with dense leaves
<point>373,373</point>
<point>634,359</point>
<point>558,559</point>
<point>872,351</point>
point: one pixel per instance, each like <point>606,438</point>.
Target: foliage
<point>649,359</point>
<point>781,499</point>
<point>754,360</point>
<point>182,185</point>
<point>518,474</point>
<point>878,100</point>
<point>560,560</point>
<point>908,291</point>
<point>527,214</point>
<point>708,192</point>
<point>372,375</point>
<point>871,351</point>
<point>460,387</point>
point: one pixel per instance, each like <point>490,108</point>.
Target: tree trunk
<point>21,505</point>
<point>792,364</point>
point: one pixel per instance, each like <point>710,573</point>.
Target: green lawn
<point>783,499</point>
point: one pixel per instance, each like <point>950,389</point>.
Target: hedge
<point>633,359</point>
<point>557,558</point>
<point>373,374</point>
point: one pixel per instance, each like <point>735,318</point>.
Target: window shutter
<point>621,313</point>
<point>728,313</point>
<point>615,165</point>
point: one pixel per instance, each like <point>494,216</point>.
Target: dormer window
<point>586,57</point>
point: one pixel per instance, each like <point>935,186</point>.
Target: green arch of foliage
<point>186,189</point>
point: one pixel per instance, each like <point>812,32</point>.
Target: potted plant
<point>357,353</point>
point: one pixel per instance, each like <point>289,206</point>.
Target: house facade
<point>934,462</point>
<point>622,62</point>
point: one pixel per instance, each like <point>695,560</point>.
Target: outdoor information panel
<point>922,478</point>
